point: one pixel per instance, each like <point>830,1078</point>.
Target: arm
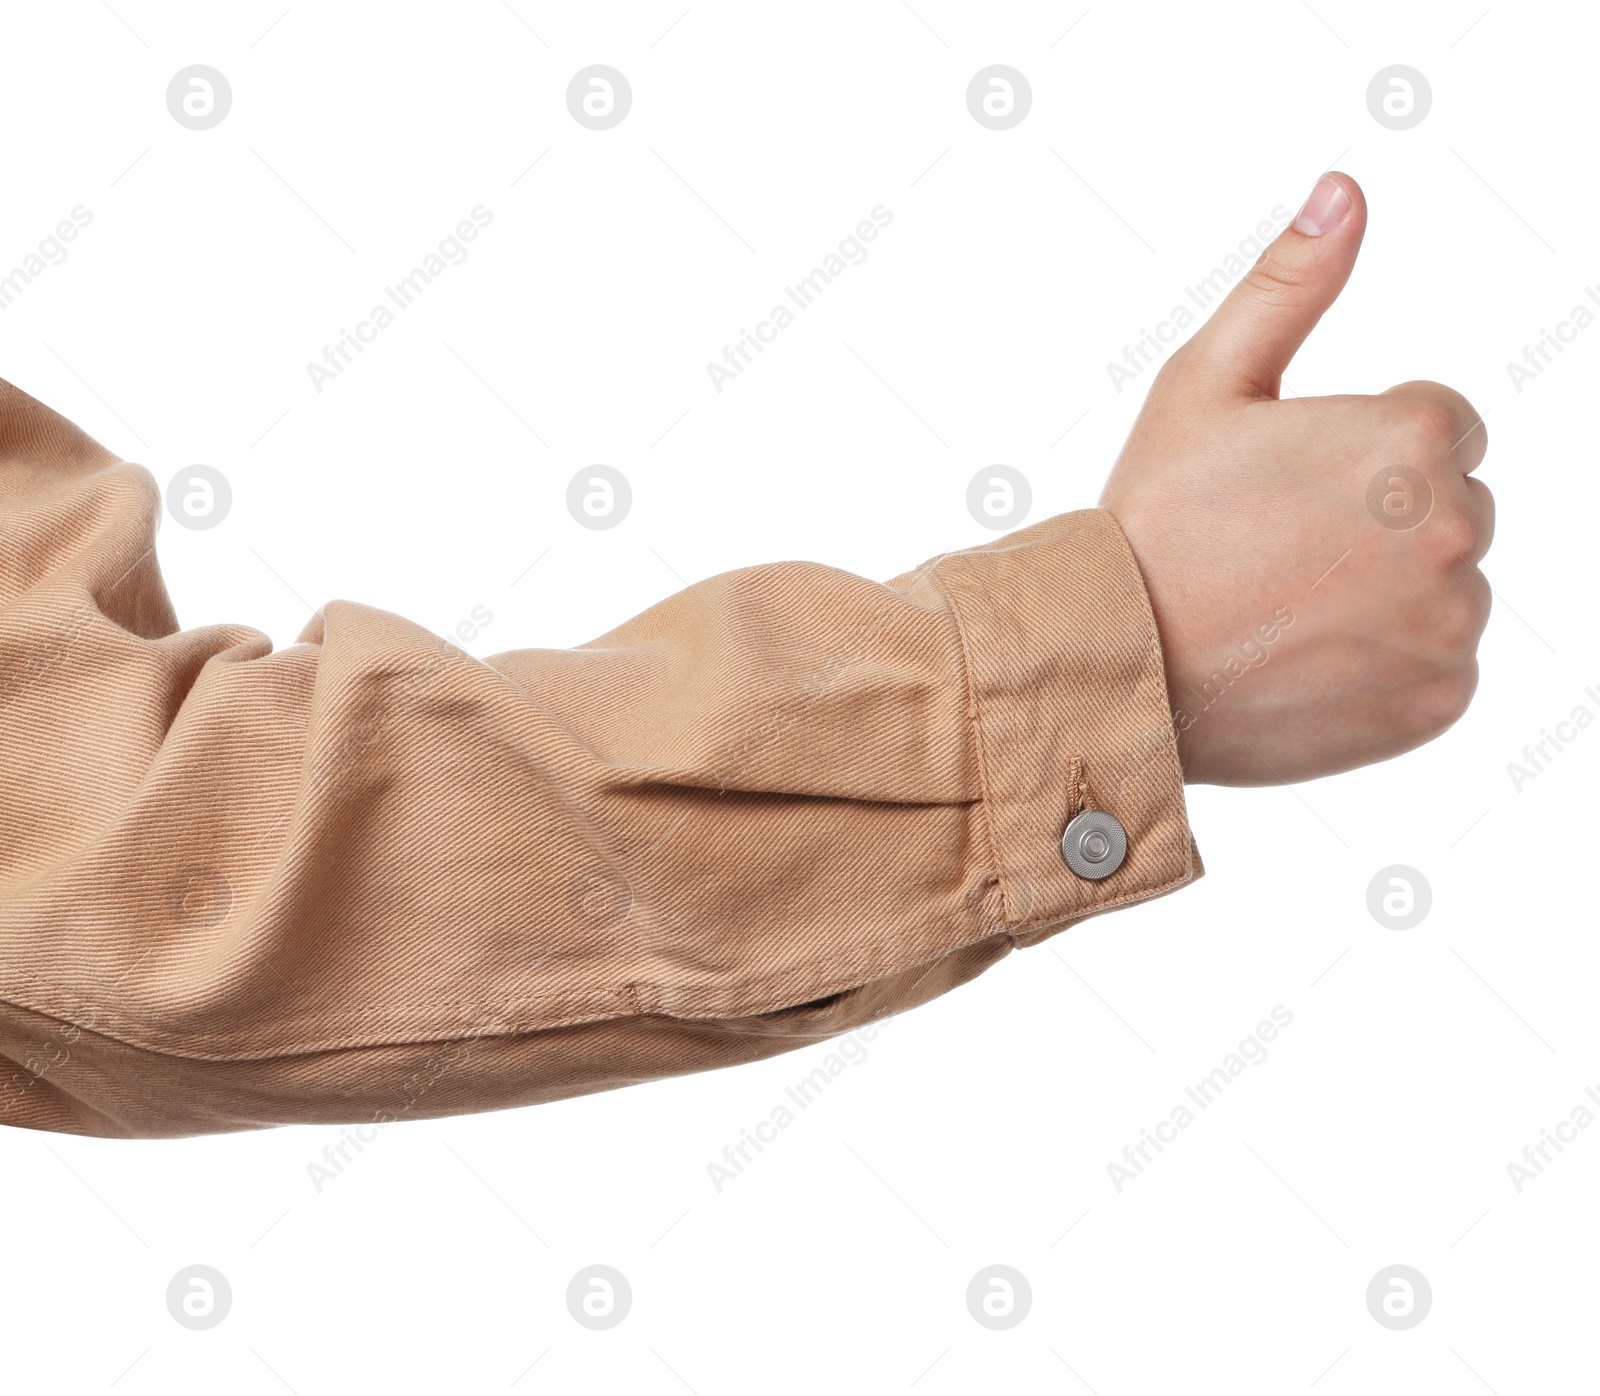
<point>368,878</point>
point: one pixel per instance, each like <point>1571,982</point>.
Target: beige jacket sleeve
<point>369,878</point>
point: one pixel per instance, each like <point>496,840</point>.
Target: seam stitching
<point>979,741</point>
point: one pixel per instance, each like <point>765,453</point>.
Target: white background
<point>432,473</point>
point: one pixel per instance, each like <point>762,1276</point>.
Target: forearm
<point>257,887</point>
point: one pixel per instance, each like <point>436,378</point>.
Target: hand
<point>1312,564</point>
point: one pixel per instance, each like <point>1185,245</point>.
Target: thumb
<point>1254,333</point>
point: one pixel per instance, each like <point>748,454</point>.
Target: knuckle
<point>1483,602</point>
<point>1444,701</point>
<point>1450,536</point>
<point>1275,278</point>
<point>1485,516</point>
<point>1424,388</point>
<point>1461,619</point>
<point>1429,426</point>
<point>1461,690</point>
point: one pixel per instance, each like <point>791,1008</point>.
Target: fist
<point>1312,563</point>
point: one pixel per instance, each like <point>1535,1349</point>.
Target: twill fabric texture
<point>367,877</point>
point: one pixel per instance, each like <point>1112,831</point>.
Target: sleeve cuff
<point>1067,696</point>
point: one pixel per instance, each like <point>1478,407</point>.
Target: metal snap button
<point>1094,845</point>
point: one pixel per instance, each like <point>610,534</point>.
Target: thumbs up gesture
<point>1312,562</point>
